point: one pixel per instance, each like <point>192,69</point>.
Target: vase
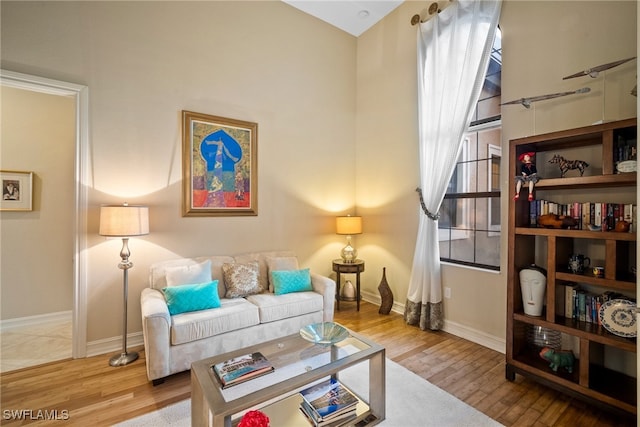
<point>386,296</point>
<point>533,286</point>
<point>348,291</point>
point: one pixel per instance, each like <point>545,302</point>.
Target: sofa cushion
<point>217,274</point>
<point>189,274</point>
<point>241,279</point>
<point>158,270</point>
<point>280,264</point>
<point>232,315</point>
<point>184,298</point>
<point>261,257</point>
<point>285,282</point>
<point>276,307</point>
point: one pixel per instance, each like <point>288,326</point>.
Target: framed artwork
<point>219,166</point>
<point>17,191</point>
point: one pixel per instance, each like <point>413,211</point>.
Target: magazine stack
<point>240,369</point>
<point>328,404</point>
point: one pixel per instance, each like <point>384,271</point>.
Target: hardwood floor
<point>90,392</point>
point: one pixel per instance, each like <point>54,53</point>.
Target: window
<point>469,225</point>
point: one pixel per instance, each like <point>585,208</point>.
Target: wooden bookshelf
<point>593,378</point>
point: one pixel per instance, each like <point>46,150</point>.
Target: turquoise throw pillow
<point>184,298</point>
<point>285,282</point>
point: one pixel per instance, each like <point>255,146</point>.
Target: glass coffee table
<point>298,364</point>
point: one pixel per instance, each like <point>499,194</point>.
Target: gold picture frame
<point>219,166</point>
<point>17,190</point>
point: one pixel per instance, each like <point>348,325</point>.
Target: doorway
<point>77,95</point>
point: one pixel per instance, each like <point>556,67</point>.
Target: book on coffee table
<point>327,402</point>
<point>240,369</point>
<point>337,421</point>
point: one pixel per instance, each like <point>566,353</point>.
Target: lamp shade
<point>349,225</point>
<point>124,220</point>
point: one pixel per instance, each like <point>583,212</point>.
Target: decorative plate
<point>326,333</point>
<point>627,166</point>
<point>618,317</point>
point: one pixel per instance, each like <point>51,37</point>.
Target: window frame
<point>462,177</point>
<point>494,151</point>
<point>492,230</point>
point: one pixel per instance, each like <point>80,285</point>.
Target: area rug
<point>411,401</point>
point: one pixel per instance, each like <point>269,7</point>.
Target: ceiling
<point>353,16</point>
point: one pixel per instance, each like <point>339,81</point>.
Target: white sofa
<point>173,342</point>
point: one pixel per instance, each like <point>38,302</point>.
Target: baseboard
<point>40,319</point>
<point>479,337</point>
<point>476,336</point>
<point>113,344</point>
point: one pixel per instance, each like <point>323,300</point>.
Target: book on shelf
<point>576,213</point>
<point>569,292</point>
<point>581,304</point>
<point>585,214</point>
<point>243,368</point>
<point>625,149</point>
<point>327,400</point>
<point>585,306</point>
<point>597,219</point>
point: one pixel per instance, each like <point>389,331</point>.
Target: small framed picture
<point>17,191</point>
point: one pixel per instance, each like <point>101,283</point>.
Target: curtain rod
<point>433,8</point>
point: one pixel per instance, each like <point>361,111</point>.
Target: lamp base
<point>123,359</point>
<point>349,254</point>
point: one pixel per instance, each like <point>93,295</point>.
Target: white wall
<point>144,62</point>
<point>36,254</point>
<point>542,42</point>
<point>387,154</point>
<point>336,115</point>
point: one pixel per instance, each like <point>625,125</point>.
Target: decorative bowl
<point>539,337</point>
<point>325,333</point>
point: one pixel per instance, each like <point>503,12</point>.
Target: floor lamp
<point>124,221</point>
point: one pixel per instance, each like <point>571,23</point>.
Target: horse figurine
<point>566,165</point>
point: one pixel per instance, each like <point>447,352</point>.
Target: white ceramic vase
<point>533,284</point>
<point>348,291</point>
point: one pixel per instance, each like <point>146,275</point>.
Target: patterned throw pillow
<point>181,299</point>
<point>285,282</point>
<point>241,279</point>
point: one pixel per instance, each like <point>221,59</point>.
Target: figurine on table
<point>528,174</point>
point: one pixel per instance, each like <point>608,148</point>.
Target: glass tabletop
<point>298,364</point>
<point>293,356</point>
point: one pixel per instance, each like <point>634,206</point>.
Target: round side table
<point>340,267</point>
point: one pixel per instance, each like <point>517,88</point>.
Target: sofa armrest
<point>156,328</point>
<point>327,288</point>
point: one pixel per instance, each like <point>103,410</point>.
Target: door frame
<point>82,176</point>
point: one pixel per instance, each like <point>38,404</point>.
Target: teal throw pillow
<point>184,298</point>
<point>285,282</point>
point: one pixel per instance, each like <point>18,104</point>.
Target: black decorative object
<point>566,165</point>
<point>386,296</point>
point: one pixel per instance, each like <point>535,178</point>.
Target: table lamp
<point>348,225</point>
<point>124,221</point>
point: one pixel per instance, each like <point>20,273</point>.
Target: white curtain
<point>454,48</point>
